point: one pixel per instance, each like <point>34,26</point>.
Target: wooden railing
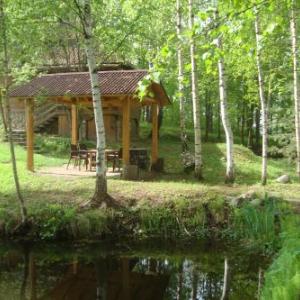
<point>46,112</point>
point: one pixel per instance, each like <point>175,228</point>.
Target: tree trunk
<point>257,129</point>
<point>263,102</point>
<point>13,160</point>
<point>100,196</point>
<point>180,78</point>
<point>296,84</point>
<point>208,116</point>
<point>8,118</point>
<point>224,115</point>
<point>3,117</point>
<point>195,98</point>
<point>219,123</point>
<point>243,125</point>
<point>250,128</point>
<point>2,111</point>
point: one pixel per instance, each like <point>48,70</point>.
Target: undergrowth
<point>282,279</point>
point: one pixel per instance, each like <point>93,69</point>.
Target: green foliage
<point>184,218</point>
<point>258,223</point>
<point>91,224</point>
<point>57,146</point>
<point>282,279</point>
<point>52,219</point>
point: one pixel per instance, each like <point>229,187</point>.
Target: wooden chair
<point>74,155</point>
<point>119,159</point>
<point>114,158</point>
<point>83,155</point>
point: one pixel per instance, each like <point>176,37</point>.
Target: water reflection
<point>94,273</point>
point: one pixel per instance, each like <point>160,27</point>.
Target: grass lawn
<point>172,184</point>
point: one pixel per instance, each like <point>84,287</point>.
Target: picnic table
<point>110,155</point>
<point>138,156</point>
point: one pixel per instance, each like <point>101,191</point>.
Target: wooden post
<point>29,112</point>
<point>126,132</point>
<point>126,279</point>
<point>154,148</point>
<point>74,117</point>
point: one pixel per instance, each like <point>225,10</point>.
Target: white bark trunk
<point>296,84</point>
<point>8,116</point>
<point>195,99</point>
<point>224,116</point>
<point>263,101</point>
<point>101,184</point>
<point>180,77</point>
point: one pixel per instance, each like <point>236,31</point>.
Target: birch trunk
<point>100,197</point>
<point>263,101</point>
<point>229,178</point>
<point>2,111</point>
<point>8,118</point>
<point>180,78</point>
<point>296,84</point>
<point>195,98</point>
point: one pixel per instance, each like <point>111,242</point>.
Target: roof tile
<point>77,84</point>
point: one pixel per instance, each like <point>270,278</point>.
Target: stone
<point>130,172</point>
<point>283,179</point>
<point>241,199</point>
<point>256,202</point>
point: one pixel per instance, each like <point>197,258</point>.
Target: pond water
<point>142,272</point>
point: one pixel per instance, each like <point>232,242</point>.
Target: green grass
<point>173,184</point>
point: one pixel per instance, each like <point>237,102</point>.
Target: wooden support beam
<point>74,127</point>
<point>126,131</point>
<point>29,113</point>
<point>154,148</point>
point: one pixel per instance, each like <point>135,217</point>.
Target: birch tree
<point>195,96</point>
<point>2,112</point>
<point>100,196</point>
<point>4,98</point>
<point>229,178</point>
<point>295,83</point>
<point>180,75</point>
<point>263,100</point>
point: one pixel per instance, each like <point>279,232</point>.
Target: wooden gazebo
<point>118,90</point>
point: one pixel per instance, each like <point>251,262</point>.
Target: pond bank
<point>209,216</point>
<point>261,226</point>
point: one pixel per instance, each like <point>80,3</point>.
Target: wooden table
<point>92,154</point>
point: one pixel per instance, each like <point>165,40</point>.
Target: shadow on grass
<point>38,198</point>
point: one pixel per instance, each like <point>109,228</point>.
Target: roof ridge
<point>107,71</point>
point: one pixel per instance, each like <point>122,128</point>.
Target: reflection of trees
<point>204,275</point>
<point>101,270</point>
<point>180,281</point>
<point>226,279</point>
<point>260,281</point>
<point>32,277</point>
<point>25,274</point>
<point>195,283</point>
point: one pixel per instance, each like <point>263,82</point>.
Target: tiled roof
<point>78,84</point>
